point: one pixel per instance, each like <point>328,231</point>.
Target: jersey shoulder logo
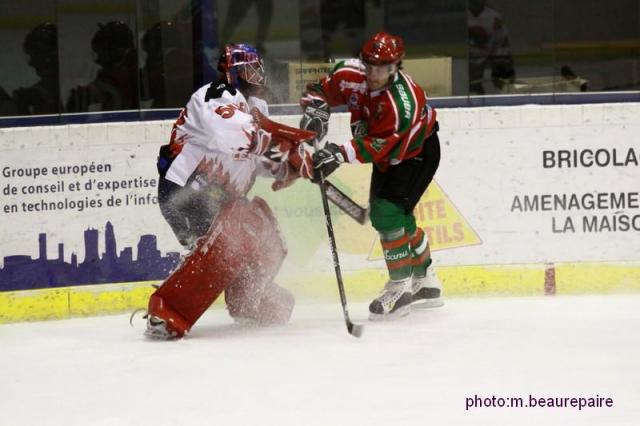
<point>357,87</point>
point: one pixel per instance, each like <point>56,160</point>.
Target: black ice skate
<point>427,290</point>
<point>393,302</point>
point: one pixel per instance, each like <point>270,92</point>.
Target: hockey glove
<point>326,161</point>
<point>279,152</point>
<point>315,115</point>
<point>285,176</point>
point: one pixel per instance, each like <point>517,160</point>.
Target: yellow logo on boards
<point>440,220</point>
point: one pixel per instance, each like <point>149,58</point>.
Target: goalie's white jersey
<point>213,136</point>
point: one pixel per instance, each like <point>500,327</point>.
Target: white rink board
<point>126,150</point>
<point>489,157</point>
<point>493,155</point>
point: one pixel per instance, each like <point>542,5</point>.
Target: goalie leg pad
<point>253,295</point>
<point>218,259</point>
<point>175,325</point>
<point>267,306</point>
<point>276,306</point>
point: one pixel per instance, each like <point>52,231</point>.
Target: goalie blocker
<point>240,254</point>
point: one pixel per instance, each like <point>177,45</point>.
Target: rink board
<point>460,281</point>
<point>78,197</point>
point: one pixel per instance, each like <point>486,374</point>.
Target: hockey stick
<point>346,204</point>
<point>354,329</point>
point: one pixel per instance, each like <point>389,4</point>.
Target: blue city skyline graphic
<point>22,272</point>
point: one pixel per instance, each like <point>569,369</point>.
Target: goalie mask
<point>242,63</point>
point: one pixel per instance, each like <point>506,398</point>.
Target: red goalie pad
<point>243,245</point>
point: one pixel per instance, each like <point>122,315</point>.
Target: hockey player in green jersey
<point>394,128</point>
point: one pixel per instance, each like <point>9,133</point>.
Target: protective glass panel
<point>90,56</point>
<point>166,53</point>
<point>597,45</point>
<point>29,65</point>
<point>273,27</point>
<point>98,53</point>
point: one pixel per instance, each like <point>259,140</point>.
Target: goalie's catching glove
<point>292,165</point>
<point>315,115</point>
<point>326,161</point>
<point>260,141</point>
<point>279,152</point>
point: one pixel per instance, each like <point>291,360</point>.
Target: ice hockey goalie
<point>219,144</point>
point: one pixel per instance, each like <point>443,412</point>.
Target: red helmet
<point>383,48</point>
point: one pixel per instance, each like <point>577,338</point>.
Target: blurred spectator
<point>7,106</point>
<point>488,47</point>
<point>41,45</point>
<point>350,13</point>
<point>340,32</point>
<point>116,84</point>
<point>573,81</point>
<point>235,14</point>
<point>167,75</point>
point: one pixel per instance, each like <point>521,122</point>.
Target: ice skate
<point>393,302</point>
<point>426,291</point>
<point>157,329</point>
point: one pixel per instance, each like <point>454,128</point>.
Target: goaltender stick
<point>394,128</point>
<point>219,144</point>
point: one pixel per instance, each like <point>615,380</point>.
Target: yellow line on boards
<point>361,286</point>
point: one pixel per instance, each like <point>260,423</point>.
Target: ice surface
<point>414,371</point>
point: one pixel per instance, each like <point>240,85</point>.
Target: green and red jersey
<point>388,125</point>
